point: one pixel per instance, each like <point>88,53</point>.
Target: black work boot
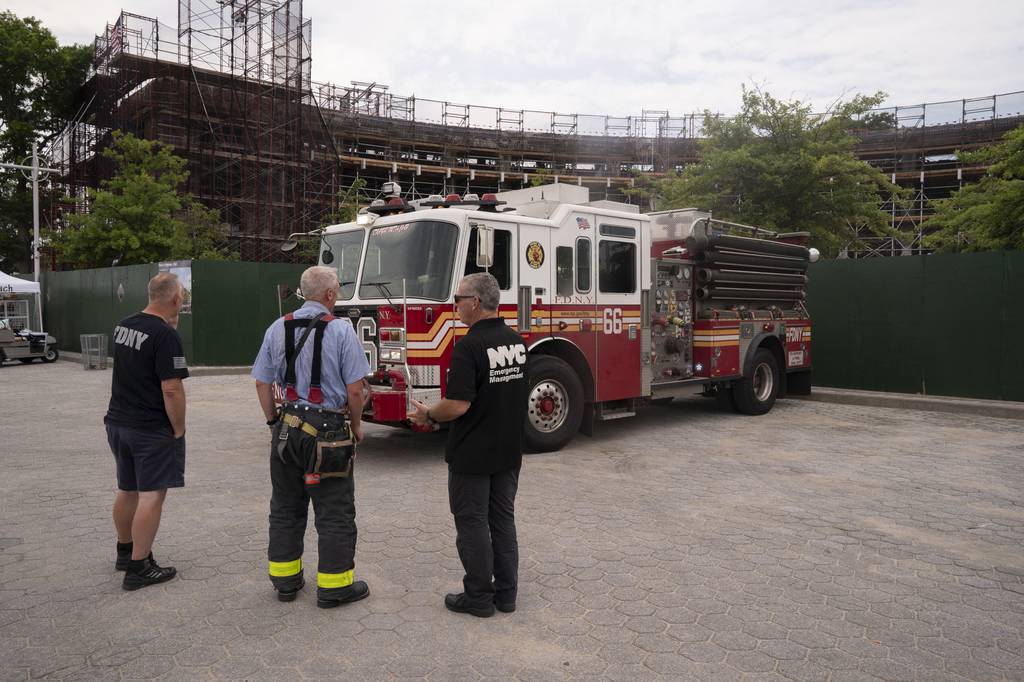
<point>329,597</point>
<point>290,592</point>
<point>124,555</point>
<point>146,572</point>
<point>459,604</point>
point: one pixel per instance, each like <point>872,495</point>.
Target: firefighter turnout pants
<point>333,505</point>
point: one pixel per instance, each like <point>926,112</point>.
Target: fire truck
<point>616,308</point>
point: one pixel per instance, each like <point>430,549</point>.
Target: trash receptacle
<point>94,351</point>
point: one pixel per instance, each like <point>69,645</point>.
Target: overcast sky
<point>620,57</point>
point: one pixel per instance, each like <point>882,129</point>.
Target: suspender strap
<point>291,352</point>
<point>316,395</point>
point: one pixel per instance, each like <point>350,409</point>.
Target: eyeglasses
<point>459,298</point>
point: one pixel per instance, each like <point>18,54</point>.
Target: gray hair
<point>163,287</point>
<point>484,286</point>
<point>317,280</point>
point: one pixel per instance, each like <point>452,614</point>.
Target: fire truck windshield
<point>345,247</point>
<point>422,253</point>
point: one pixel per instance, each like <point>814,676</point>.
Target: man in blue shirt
<point>320,364</point>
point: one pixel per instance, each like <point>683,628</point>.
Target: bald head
<point>163,288</point>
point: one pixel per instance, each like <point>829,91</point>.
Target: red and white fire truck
<point>617,308</point>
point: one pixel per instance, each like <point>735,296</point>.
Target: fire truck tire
<point>554,404</point>
<point>755,394</point>
<point>51,355</point>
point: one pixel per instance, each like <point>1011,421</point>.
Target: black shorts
<point>147,459</point>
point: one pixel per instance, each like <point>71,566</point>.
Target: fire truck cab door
<point>504,265</point>
<point>618,251</point>
<point>534,264</point>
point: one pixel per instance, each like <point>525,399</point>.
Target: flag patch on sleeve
<point>179,363</point>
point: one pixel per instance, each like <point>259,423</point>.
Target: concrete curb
<point>1004,409</point>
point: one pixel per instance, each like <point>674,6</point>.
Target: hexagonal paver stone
<point>689,632</point>
<point>812,639</point>
<point>659,643</point>
<point>734,641</point>
<point>645,624</point>
<point>803,671</point>
<point>783,649</point>
<point>147,667</point>
<point>616,653</point>
<point>750,661</point>
<point>414,666</point>
<point>200,656</point>
<point>702,652</point>
<point>887,670</point>
<point>381,621</point>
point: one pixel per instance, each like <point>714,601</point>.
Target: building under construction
<point>230,90</point>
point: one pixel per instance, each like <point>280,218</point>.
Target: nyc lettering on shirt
<point>506,362</point>
<point>129,337</point>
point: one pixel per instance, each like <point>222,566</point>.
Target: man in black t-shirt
<point>485,400</point>
<point>146,427</point>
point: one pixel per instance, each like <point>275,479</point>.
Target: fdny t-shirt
<point>489,370</point>
<point>147,350</point>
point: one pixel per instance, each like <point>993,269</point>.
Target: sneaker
<point>146,572</point>
<point>459,604</point>
<point>124,555</point>
<point>290,594</point>
<point>336,596</point>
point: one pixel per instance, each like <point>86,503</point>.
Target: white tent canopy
<point>13,285</point>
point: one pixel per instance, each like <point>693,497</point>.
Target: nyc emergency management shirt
<point>147,351</point>
<point>489,370</point>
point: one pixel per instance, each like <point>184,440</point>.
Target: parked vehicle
<point>25,345</point>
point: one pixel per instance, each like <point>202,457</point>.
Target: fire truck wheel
<point>555,404</point>
<point>51,355</point>
<point>755,394</point>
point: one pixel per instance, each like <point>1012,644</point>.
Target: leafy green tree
<point>778,165</point>
<point>350,200</point>
<point>38,82</point>
<point>139,216</point>
<point>987,215</point>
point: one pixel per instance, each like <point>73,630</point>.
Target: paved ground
<point>820,542</point>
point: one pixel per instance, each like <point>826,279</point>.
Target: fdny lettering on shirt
<point>129,337</point>
<point>506,362</point>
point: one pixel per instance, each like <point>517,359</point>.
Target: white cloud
<point>618,58</point>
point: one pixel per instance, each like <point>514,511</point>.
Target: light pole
<point>35,170</point>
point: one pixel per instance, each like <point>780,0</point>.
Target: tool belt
<point>335,449</point>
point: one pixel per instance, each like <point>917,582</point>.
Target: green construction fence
<point>947,324</point>
<point>232,304</point>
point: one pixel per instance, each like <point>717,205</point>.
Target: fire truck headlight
<point>396,355</point>
<point>814,255</point>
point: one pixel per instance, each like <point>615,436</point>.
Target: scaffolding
<point>230,90</point>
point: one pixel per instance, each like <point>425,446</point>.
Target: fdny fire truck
<point>616,308</point>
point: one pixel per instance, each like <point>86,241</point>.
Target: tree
<point>38,82</point>
<point>987,215</point>
<point>779,166</point>
<point>139,216</point>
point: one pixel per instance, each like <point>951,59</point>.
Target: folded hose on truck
<point>729,276</point>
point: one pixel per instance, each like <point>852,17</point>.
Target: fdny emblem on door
<point>535,255</point>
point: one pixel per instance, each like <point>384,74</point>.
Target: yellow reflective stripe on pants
<point>334,579</point>
<point>285,569</point>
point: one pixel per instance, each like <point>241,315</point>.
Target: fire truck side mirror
<point>484,246</point>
